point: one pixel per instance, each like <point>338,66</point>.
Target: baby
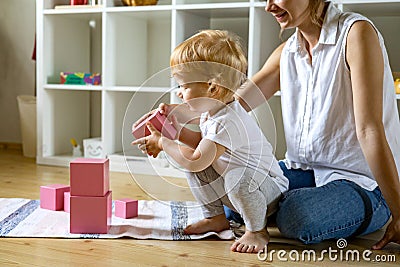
<point>229,162</point>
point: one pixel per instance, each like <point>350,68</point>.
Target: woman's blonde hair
<point>313,7</point>
<point>217,55</point>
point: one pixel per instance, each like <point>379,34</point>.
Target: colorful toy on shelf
<point>91,199</point>
<point>52,196</point>
<point>126,208</point>
<point>160,122</point>
<point>80,78</point>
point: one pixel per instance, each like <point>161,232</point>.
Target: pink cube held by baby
<point>160,122</point>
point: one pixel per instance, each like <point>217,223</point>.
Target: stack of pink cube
<point>90,196</point>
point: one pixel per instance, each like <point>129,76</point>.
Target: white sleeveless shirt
<point>245,143</point>
<point>317,106</point>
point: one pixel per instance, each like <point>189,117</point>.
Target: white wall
<point>17,69</point>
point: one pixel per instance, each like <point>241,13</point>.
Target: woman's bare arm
<point>264,84</point>
<point>365,59</point>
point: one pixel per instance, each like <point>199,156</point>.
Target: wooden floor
<point>20,177</point>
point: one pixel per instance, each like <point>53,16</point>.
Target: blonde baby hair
<point>216,55</point>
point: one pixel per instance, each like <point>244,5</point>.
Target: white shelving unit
<point>128,45</point>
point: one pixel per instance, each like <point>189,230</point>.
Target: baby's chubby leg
<point>208,188</point>
<point>255,196</point>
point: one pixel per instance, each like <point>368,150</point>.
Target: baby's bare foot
<point>213,224</point>
<point>251,242</point>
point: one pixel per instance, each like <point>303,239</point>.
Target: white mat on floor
<point>156,220</point>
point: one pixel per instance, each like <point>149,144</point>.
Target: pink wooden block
<point>126,208</point>
<point>89,177</point>
<point>90,215</point>
<point>67,196</point>
<point>52,196</point>
<point>160,122</point>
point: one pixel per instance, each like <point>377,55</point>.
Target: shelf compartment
<point>138,46</point>
<point>72,43</point>
<point>69,114</point>
<point>189,22</point>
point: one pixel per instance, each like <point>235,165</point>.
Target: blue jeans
<point>339,209</point>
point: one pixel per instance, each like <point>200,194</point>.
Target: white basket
<point>27,117</point>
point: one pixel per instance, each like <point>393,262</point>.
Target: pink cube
<point>89,177</point>
<point>52,196</point>
<point>67,196</point>
<point>90,215</point>
<point>160,122</point>
<point>126,208</point>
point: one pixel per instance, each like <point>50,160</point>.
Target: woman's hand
<point>392,234</point>
<point>150,144</point>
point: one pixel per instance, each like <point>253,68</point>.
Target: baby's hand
<point>150,143</point>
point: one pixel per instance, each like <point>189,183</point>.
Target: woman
<point>341,125</point>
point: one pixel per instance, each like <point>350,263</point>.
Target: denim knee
<point>339,209</point>
<point>296,220</point>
